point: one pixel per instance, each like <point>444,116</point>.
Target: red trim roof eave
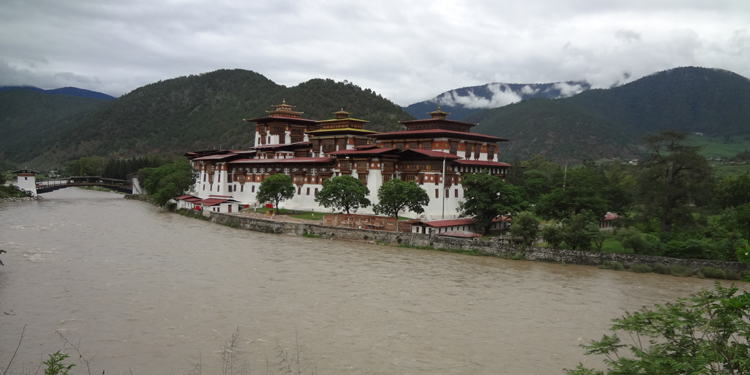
<point>215,157</point>
<point>400,134</point>
<point>448,223</point>
<point>261,147</point>
<point>481,163</point>
<point>281,118</point>
<point>433,154</point>
<point>437,120</point>
<point>283,161</point>
<point>460,234</point>
<point>375,151</point>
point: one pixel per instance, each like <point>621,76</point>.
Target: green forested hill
<point>555,129</point>
<point>31,121</point>
<point>207,111</point>
<point>609,122</point>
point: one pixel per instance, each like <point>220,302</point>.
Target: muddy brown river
<point>150,292</point>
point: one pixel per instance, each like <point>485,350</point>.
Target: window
<point>308,191</point>
<point>204,176</point>
<point>218,209</point>
<point>455,193</point>
<point>253,189</point>
<point>219,177</point>
<point>229,188</point>
<point>316,191</point>
<point>204,187</point>
<point>437,193</point>
<point>229,208</point>
<point>299,191</point>
<point>242,188</point>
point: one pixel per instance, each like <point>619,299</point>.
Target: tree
<point>343,193</point>
<point>673,178</point>
<point>515,174</point>
<point>553,235</point>
<point>276,188</point>
<point>732,191</point>
<point>487,197</point>
<point>526,226</point>
<point>168,181</point>
<point>707,333</point>
<point>580,230</point>
<point>583,189</point>
<point>397,195</point>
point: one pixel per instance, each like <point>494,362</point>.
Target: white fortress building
<point>434,153</point>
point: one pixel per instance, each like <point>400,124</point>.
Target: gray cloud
<point>406,51</point>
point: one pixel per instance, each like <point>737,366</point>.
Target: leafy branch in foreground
<point>705,334</point>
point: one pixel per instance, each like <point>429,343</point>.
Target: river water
<point>150,292</point>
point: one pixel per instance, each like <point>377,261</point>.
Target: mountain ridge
<point>70,91</point>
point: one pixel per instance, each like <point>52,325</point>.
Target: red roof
<point>215,157</point>
<point>288,161</point>
<point>610,216</point>
<point>438,132</point>
<point>482,163</point>
<point>436,120</point>
<point>220,196</point>
<point>183,197</point>
<point>371,151</point>
<point>432,154</point>
<point>448,223</point>
<point>461,234</point>
<point>215,202</point>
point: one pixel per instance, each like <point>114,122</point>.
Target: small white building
<point>26,180</point>
<point>443,226</point>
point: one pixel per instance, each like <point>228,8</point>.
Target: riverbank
<point>493,247</point>
<point>21,199</point>
<point>284,224</point>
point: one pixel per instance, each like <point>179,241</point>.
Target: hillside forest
<point>670,204</point>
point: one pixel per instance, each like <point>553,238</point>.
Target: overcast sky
<point>406,50</point>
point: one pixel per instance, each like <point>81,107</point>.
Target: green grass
<point>720,146</point>
<point>11,192</point>
<point>306,215</point>
<point>611,245</point>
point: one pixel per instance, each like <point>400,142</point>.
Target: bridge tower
<point>26,180</point>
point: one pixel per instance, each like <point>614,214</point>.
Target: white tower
<point>26,180</point>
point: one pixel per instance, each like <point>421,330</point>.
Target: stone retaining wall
<point>493,247</point>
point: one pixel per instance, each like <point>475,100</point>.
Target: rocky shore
<point>21,199</point>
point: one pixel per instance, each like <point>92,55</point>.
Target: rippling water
<point>152,292</point>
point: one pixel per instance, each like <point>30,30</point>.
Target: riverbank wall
<point>491,247</point>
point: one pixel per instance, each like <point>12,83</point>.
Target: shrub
<point>607,265</point>
<point>661,268</point>
<point>366,238</point>
<point>640,268</point>
<point>517,256</point>
<point>680,271</point>
<point>713,273</point>
<point>733,275</point>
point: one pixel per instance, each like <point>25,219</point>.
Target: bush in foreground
<point>707,333</point>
